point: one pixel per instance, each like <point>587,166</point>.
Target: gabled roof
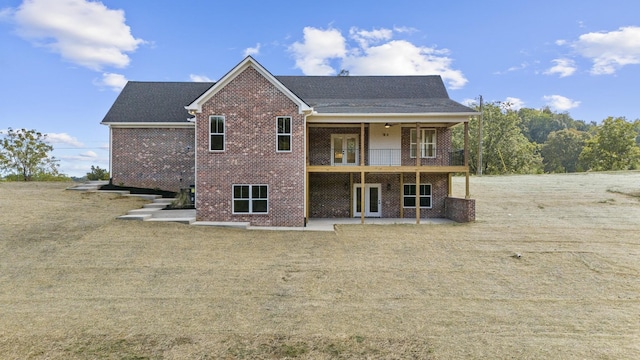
<point>155,102</point>
<point>374,94</point>
<point>167,102</point>
<point>249,61</point>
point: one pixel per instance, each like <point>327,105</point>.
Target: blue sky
<point>63,62</point>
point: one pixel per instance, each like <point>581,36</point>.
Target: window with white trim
<point>409,196</point>
<point>284,134</point>
<point>250,199</point>
<point>427,143</point>
<point>216,133</point>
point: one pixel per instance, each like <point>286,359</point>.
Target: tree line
<point>25,155</point>
<point>531,141</point>
<point>523,141</point>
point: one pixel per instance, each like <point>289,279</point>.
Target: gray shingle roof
<point>150,102</point>
<point>165,101</point>
<point>374,94</point>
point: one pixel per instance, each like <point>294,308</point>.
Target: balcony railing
<point>389,157</point>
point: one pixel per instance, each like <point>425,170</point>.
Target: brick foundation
<point>460,210</point>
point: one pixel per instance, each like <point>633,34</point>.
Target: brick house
<point>279,150</point>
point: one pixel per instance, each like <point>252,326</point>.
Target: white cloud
<point>522,66</point>
<point>83,32</point>
<point>610,51</point>
<point>89,155</point>
<point>252,50</point>
<point>365,38</point>
<point>404,29</point>
<point>6,14</point>
<point>64,139</point>
<point>560,103</point>
<point>515,103</point>
<point>199,78</point>
<point>85,156</point>
<point>114,81</point>
<point>373,53</point>
<point>563,67</point>
<point>319,46</point>
<point>469,102</point>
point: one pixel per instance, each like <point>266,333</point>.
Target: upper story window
<point>284,134</point>
<point>427,143</point>
<point>216,133</point>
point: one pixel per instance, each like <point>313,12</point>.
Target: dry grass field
<point>75,283</point>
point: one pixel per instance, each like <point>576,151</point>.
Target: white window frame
<point>424,145</point>
<point>284,133</point>
<point>413,196</point>
<point>223,133</point>
<point>251,199</point>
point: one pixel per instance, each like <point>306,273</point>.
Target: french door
<point>372,200</point>
<point>344,149</point>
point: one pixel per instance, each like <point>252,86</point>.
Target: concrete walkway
<point>154,211</point>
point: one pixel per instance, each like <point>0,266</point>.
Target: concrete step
<point>164,200</point>
<point>121,192</point>
<point>88,186</point>
<point>134,217</point>
<point>239,225</point>
<point>187,221</point>
<point>144,196</point>
<point>155,205</point>
<point>143,211</point>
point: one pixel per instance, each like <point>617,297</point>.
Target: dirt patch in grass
<point>76,283</point>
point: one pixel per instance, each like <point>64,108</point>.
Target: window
<point>250,199</point>
<point>409,196</point>
<point>284,133</point>
<point>427,143</point>
<point>216,133</point>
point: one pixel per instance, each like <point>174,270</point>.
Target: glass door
<point>344,149</point>
<point>372,200</point>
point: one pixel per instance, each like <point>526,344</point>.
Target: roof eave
<point>456,117</point>
<point>147,125</point>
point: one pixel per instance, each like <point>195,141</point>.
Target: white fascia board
<point>392,117</point>
<point>249,61</point>
<point>148,125</point>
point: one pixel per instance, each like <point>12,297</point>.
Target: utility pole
<point>479,168</point>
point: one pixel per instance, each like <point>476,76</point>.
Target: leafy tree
<point>97,174</point>
<point>613,147</point>
<point>25,153</point>
<point>505,150</point>
<point>561,151</point>
<point>537,124</point>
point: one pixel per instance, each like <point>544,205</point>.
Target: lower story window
<point>409,196</point>
<point>250,199</point>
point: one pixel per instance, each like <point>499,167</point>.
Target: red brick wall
<point>250,105</point>
<point>443,147</point>
<point>154,158</point>
<point>461,210</point>
<point>320,142</point>
<point>329,195</point>
<point>439,191</point>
